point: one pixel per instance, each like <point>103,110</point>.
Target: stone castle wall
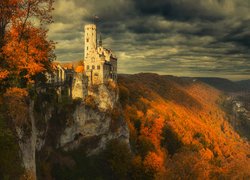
<point>79,86</point>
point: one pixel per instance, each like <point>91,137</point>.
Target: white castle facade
<point>100,64</point>
<point>98,67</point>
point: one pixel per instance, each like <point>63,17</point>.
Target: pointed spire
<point>100,40</point>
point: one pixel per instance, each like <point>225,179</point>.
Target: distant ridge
<point>225,84</point>
<point>244,84</point>
<point>216,82</point>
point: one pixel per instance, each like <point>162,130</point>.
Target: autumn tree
<point>24,49</point>
<point>28,57</point>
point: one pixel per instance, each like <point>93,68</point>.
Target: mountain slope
<point>244,84</point>
<point>179,122</point>
<point>225,84</point>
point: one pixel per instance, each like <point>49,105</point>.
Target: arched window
<point>87,66</point>
<point>98,67</point>
<point>93,67</point>
<point>87,39</point>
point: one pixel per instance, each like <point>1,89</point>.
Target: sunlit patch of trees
<point>25,51</point>
<point>180,131</point>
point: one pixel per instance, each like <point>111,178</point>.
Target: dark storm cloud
<point>178,9</point>
<point>179,37</point>
<point>240,34</point>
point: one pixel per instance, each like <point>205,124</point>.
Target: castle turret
<point>90,39</point>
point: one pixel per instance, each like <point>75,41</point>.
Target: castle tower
<point>90,39</point>
<point>100,64</point>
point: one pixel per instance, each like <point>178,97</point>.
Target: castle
<point>99,66</point>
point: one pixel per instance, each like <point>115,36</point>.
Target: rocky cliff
<point>95,123</point>
<point>64,124</point>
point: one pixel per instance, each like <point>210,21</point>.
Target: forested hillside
<point>179,130</point>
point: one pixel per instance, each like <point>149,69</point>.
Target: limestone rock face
<point>32,139</point>
<point>92,127</point>
<point>79,86</point>
<point>105,98</point>
<point>27,144</point>
<point>54,126</point>
<point>95,127</point>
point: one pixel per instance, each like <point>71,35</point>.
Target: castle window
<point>87,39</point>
<point>93,67</point>
<point>87,66</point>
<point>87,47</point>
<point>98,67</point>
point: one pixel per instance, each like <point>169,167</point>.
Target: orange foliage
<point>3,74</point>
<point>190,110</point>
<point>24,48</point>
<point>80,69</point>
<point>16,92</point>
<point>32,55</point>
<point>154,163</point>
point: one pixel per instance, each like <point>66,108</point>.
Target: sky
<point>205,38</point>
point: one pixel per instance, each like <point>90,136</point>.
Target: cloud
<point>178,37</point>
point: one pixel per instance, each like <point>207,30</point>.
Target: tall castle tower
<point>90,39</point>
<point>100,64</point>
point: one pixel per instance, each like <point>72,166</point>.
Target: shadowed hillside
<point>178,124</point>
<point>227,85</point>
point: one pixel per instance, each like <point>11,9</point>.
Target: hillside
<point>160,127</point>
<point>225,84</point>
<point>179,123</point>
<point>244,84</point>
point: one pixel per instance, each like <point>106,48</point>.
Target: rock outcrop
<point>95,126</point>
<point>92,122</point>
